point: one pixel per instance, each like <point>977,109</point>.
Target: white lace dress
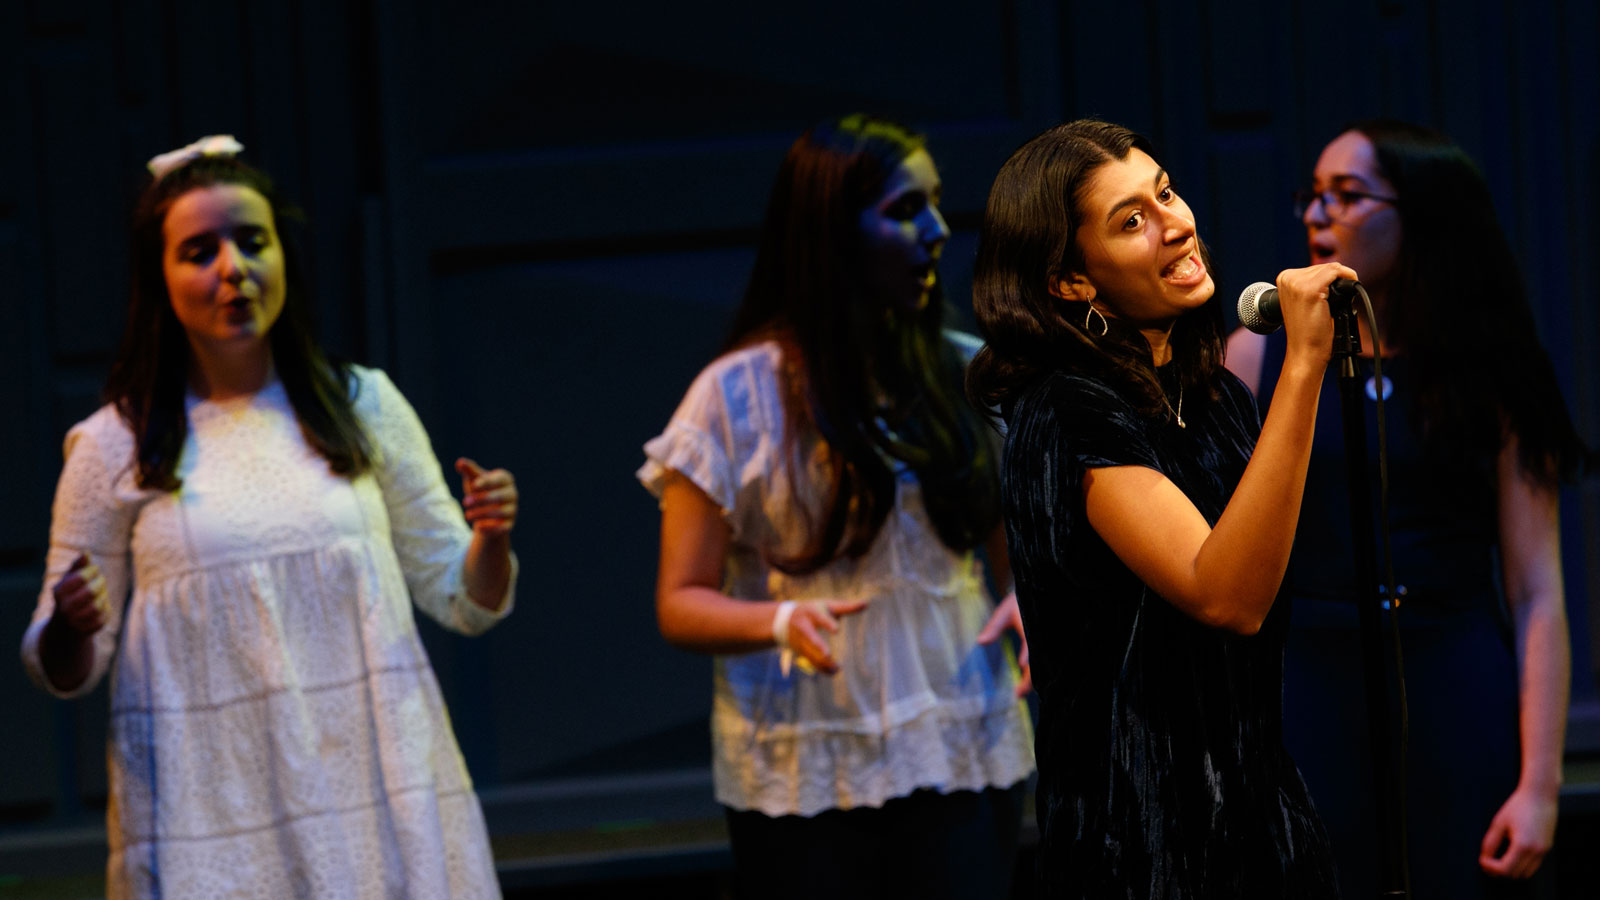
<point>917,703</point>
<point>276,729</point>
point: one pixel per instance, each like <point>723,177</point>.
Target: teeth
<point>1183,268</point>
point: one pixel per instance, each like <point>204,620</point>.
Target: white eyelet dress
<point>276,729</point>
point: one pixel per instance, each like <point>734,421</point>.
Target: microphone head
<point>1257,308</point>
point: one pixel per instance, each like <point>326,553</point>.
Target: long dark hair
<point>150,372</point>
<point>841,347</point>
<point>1482,375</point>
<point>1028,243</point>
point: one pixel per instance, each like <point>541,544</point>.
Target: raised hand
<point>1303,298</point>
<point>489,498</point>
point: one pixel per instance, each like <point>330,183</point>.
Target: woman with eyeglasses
<point>1479,440</point>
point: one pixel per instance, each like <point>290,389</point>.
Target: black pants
<point>960,846</point>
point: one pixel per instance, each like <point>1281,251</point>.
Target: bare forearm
<point>709,621</point>
<point>1530,551</point>
<point>1240,566</point>
<point>487,570</point>
<point>1545,672</point>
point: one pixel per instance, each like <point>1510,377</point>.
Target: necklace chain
<point>1177,413</point>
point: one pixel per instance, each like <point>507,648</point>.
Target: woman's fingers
<point>805,639</point>
<point>1490,857</point>
<point>80,595</point>
<point>1024,683</point>
<point>1007,616</point>
<point>1307,319</point>
<point>846,607</point>
<point>82,579</point>
<point>1519,835</point>
<point>85,619</point>
<point>1312,282</point>
<point>77,575</point>
<point>809,625</point>
<point>468,469</point>
<point>485,496</point>
<point>501,508</point>
<point>489,497</point>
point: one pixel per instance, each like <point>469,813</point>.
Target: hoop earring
<point>1104,325</point>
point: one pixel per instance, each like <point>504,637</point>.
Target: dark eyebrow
<point>1134,198</point>
<point>1360,182</point>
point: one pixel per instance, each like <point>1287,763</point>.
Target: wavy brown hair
<point>1028,243</point>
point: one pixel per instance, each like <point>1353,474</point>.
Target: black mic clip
<point>1342,297</point>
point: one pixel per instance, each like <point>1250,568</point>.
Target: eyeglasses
<point>1335,201</point>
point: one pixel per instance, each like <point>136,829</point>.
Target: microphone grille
<point>1250,309</point>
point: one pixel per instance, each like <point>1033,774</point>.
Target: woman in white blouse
<point>823,486</point>
<point>237,536</point>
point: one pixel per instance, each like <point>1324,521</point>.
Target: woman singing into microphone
<point>1146,537</point>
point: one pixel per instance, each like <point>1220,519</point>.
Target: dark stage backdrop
<point>538,215</point>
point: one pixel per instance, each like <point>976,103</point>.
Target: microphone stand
<point>1372,601</point>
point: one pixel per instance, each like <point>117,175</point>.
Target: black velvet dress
<point>1162,772</point>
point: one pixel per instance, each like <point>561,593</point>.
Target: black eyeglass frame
<point>1345,199</point>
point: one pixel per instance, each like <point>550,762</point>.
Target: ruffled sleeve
<point>429,532</point>
<point>95,506</point>
<point>724,436</point>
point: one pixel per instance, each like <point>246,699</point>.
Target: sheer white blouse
<point>917,703</point>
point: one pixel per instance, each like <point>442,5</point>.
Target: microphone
<point>1258,304</point>
<point>1258,308</point>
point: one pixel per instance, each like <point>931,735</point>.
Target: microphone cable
<point>1391,601</point>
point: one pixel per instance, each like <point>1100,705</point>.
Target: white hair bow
<point>210,145</point>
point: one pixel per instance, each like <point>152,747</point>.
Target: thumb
<point>845,607</point>
<point>468,469</point>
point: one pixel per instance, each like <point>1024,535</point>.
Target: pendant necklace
<point>1177,413</point>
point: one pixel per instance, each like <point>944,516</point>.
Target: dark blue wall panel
<point>537,216</point>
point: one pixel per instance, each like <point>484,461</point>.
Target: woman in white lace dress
<point>238,536</point>
<point>823,486</point>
